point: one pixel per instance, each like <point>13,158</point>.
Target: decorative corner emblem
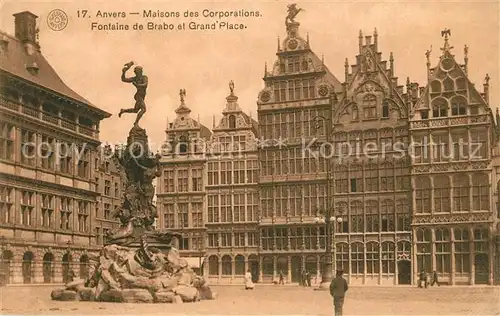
<point>323,90</point>
<point>265,96</point>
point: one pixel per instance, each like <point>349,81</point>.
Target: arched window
<point>435,86</point>
<point>448,84</point>
<point>423,194</point>
<point>372,258</point>
<point>7,256</point>
<point>357,258</point>
<point>462,251</point>
<point>458,106</point>
<point>27,267</point>
<point>355,113</point>
<point>385,109</point>
<point>388,262</point>
<point>267,266</point>
<point>387,216</point>
<point>461,83</point>
<point>357,222</point>
<point>439,108</point>
<point>342,259</point>
<point>480,192</point>
<point>227,268</point>
<point>232,121</point>
<point>48,258</point>
<point>84,267</point>
<point>239,265</point>
<point>213,265</point>
<point>461,196</point>
<point>443,250</point>
<point>183,146</point>
<point>282,265</point>
<point>442,200</point>
<point>370,106</point>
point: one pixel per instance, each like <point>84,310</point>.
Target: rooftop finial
<point>265,69</point>
<point>307,38</point>
<point>182,94</point>
<point>213,119</point>
<point>231,87</point>
<point>487,80</point>
<point>446,33</point>
<point>466,52</point>
<point>290,18</point>
<point>279,45</point>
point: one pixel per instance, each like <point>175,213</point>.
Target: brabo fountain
<point>138,264</point>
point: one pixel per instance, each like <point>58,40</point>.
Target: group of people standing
<point>423,279</point>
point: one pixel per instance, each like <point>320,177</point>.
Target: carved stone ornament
<point>323,90</point>
<point>265,96</point>
<point>420,169</point>
<point>292,44</point>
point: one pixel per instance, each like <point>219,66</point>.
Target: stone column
<point>452,259</point>
<point>433,250</point>
<point>275,266</point>
<point>289,275</point>
<point>37,271</point>
<point>220,270</point>
<point>260,268</point>
<point>472,276</point>
<point>17,272</point>
<point>432,195</point>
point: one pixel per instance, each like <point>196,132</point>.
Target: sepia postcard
<point>250,157</point>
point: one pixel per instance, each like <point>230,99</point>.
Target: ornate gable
<point>371,91</point>
<point>296,60</point>
<point>449,90</point>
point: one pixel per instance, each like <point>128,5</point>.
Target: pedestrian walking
<point>434,278</point>
<point>282,278</point>
<point>303,278</point>
<point>338,289</point>
<point>308,278</point>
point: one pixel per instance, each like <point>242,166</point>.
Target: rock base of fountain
<point>119,276</point>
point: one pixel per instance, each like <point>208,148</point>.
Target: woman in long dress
<point>249,285</point>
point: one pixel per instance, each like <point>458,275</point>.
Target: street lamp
<point>327,122</point>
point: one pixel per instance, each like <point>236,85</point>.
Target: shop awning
<point>194,262</point>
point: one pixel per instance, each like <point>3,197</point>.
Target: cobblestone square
<point>275,300</point>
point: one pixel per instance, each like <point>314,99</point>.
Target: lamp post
<point>327,122</point>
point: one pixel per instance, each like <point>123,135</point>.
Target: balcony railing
<point>450,121</point>
<point>46,117</point>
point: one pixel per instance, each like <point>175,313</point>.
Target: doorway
<point>253,264</point>
<point>296,269</point>
<point>48,258</point>
<point>482,272</point>
<point>27,267</point>
<point>404,272</point>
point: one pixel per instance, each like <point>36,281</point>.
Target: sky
<point>203,62</point>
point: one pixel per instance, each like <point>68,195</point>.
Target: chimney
<point>25,27</point>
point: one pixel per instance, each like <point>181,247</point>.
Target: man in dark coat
<point>434,279</point>
<point>338,288</point>
<point>422,279</point>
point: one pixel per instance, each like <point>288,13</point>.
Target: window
<point>424,114</point>
<point>310,241</point>
<point>239,207</point>
<point>267,202</point>
<point>281,239</point>
<point>6,204</point>
<point>252,239</point>
<point>461,145</point>
<point>196,177</point>
<point>341,185</point>
<point>267,236</point>
<point>342,257</point>
<point>213,208</point>
<point>439,108</point>
<point>83,163</point>
<point>28,147</point>
<point>197,214</point>
<point>462,251</point>
<point>239,143</point>
<point>448,84</point>
<point>253,207</point>
<point>239,172</point>
<point>372,258</point>
<point>440,147</point>
<point>424,248</point>
<point>355,113</point>
<point>213,240</point>
<point>442,201</point>
<point>357,179</point>
<point>65,158</point>
<point>458,106</point>
<point>480,192</point>
<point>293,64</point>
<point>27,207</point>
<point>65,213</point>
<point>436,86</point>
<point>478,145</point>
<point>226,215</point>
<point>402,173</point>
<point>232,121</point>
<point>403,220</point>
<point>388,264</point>
<point>369,106</point>
<point>213,265</point>
<point>423,195</point>
<point>357,225</point>
<point>168,216</point>
<point>357,258</point>
<point>213,173</point>
<point>183,243</point>
<point>182,215</point>
<point>385,109</point>
<point>308,88</point>
<point>239,239</point>
<point>107,211</point>
<point>372,216</point>
<point>252,171</point>
<point>443,250</point>
<point>226,172</point>
<point>227,268</point>
<point>371,175</point>
<point>47,210</point>
<point>183,145</point>
<point>7,141</point>
<point>107,187</point>
<point>295,238</point>
<point>47,152</point>
<point>280,91</point>
<point>182,180</point>
<point>226,240</point>
<point>83,214</point>
<point>387,222</point>
<point>387,177</point>
<point>421,148</point>
<point>461,195</point>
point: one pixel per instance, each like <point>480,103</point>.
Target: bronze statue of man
<point>140,81</point>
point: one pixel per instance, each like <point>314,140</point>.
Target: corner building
<point>49,145</point>
<point>454,131</point>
